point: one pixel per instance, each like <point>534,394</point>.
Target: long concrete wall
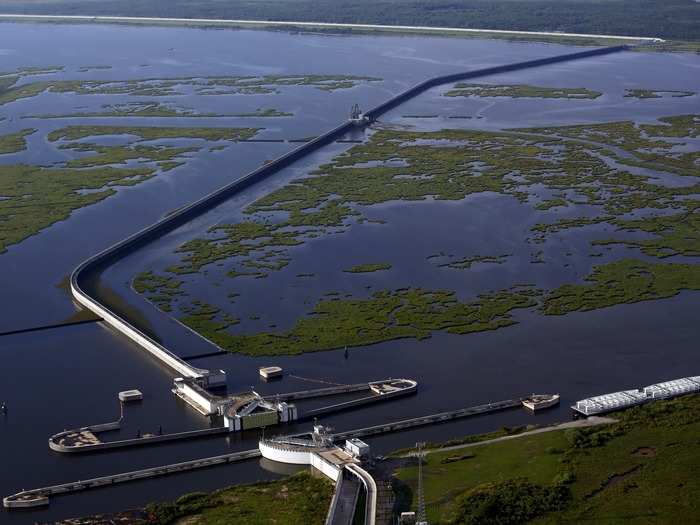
<point>79,277</point>
<point>39,497</point>
<point>429,420</point>
<point>133,442</point>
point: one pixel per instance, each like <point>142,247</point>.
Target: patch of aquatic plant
<point>36,197</point>
<point>159,289</point>
<point>243,239</point>
<point>368,267</point>
<point>642,141</point>
<point>620,282</point>
<point>158,109</point>
<point>154,87</point>
<point>153,132</point>
<point>87,69</point>
<point>467,262</point>
<point>551,203</point>
<point>323,201</point>
<point>657,93</point>
<point>386,315</point>
<point>14,142</point>
<point>462,89</point>
<point>105,155</point>
<point>206,319</point>
<point>677,234</point>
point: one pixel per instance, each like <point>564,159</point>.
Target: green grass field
<point>641,470</point>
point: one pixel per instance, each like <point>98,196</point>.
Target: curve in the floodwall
<point>114,252</point>
<point>371,489</point>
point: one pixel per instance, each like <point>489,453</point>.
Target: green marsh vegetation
<point>159,109</point>
<point>368,268</point>
<point>577,164</point>
<point>145,133</point>
<point>657,93</point>
<point>34,198</point>
<point>462,89</point>
<point>638,470</point>
<point>466,263</point>
<point>11,91</point>
<point>15,142</point>
<point>386,315</point>
<point>620,282</point>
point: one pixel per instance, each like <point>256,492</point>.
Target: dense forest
<point>670,19</point>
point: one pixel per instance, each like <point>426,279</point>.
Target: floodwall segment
<point>371,488</point>
<point>204,204</point>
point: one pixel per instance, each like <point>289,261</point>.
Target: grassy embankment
<point>639,470</point>
<point>578,173</point>
<point>298,499</point>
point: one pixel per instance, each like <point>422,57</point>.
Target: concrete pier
<point>442,417</point>
<point>40,497</point>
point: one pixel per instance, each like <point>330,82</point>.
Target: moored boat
<point>537,402</point>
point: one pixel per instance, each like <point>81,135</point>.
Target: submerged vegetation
<point>638,470</point>
<point>462,89</point>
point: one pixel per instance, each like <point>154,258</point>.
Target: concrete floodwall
<point>379,110</point>
<point>134,442</point>
<point>371,488</point>
<point>79,278</point>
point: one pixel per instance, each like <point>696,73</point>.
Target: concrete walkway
<point>581,423</point>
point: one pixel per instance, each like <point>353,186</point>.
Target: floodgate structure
<point>241,411</point>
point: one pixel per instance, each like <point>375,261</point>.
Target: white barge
<point>537,402</point>
<point>628,398</point>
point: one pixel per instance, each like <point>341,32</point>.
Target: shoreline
<point>536,36</point>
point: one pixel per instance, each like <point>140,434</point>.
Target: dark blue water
<point>65,378</point>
